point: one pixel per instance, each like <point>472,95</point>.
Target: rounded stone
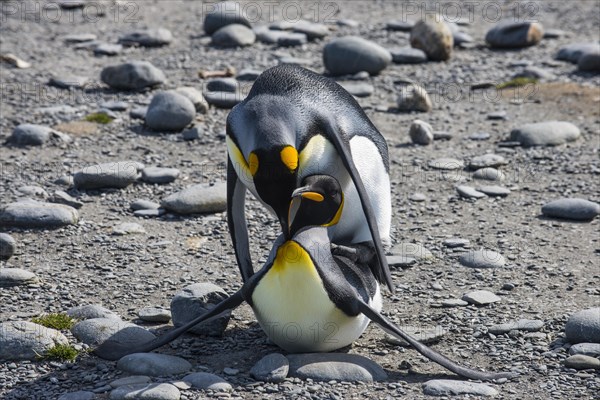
<point>572,208</point>
<point>273,368</point>
<point>91,311</point>
<point>434,37</point>
<point>147,37</point>
<point>195,300</point>
<point>489,174</point>
<point>159,175</point>
<point>413,98</point>
<point>229,85</point>
<point>195,96</point>
<point>494,190</point>
<point>351,54</point>
<point>408,55</point>
<point>234,35</point>
<point>10,277</point>
<point>97,330</point>
<point>33,214</point>
<point>547,133</point>
<point>482,259</point>
<point>580,361</point>
<point>30,135</point>
<point>589,62</point>
<point>134,75</point>
<point>142,204</point>
<point>170,111</point>
<point>469,192</point>
<point>572,52</point>
<point>204,380</point>
<point>152,391</point>
<point>449,387</point>
<point>446,164</point>
<point>487,160</point>
<point>23,340</point>
<point>153,364</point>
<point>335,366</point>
<point>154,314</point>
<point>108,175</point>
<point>79,395</point>
<point>197,199</point>
<point>8,246</point>
<point>514,34</point>
<point>421,132</point>
<point>223,14</point>
<point>480,297</point>
<point>584,326</point>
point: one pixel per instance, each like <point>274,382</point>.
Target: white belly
<point>294,310</point>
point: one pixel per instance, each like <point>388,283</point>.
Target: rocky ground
<point>537,266</point>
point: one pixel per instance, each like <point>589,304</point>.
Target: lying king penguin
<point>328,299</point>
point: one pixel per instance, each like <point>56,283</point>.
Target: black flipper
<point>428,352</point>
<point>113,350</point>
<point>381,270</point>
<point>236,221</point>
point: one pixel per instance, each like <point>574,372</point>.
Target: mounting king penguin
<point>295,123</point>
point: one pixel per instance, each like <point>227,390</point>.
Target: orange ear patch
<point>253,163</point>
<point>289,156</point>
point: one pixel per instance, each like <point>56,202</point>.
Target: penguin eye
<point>334,193</point>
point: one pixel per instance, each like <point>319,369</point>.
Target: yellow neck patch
<point>289,156</point>
<point>338,214</point>
<point>253,163</point>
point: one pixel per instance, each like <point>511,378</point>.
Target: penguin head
<point>318,202</point>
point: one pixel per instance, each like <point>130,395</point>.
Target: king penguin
<point>293,124</point>
<point>305,298</point>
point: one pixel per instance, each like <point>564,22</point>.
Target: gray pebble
<point>142,204</point>
<point>587,349</point>
<point>528,325</point>
<point>413,98</point>
<point>229,85</point>
<point>204,380</point>
<point>479,136</point>
<point>108,49</point>
<point>223,99</point>
<point>480,297</point>
<point>579,361</point>
<point>114,105</point>
<point>584,326</point>
<point>442,135</point>
<point>498,115</point>
<point>417,197</point>
<point>153,364</point>
<point>335,366</point>
<point>199,198</point>
<point>573,51</point>
<point>152,391</point>
<point>170,111</point>
<point>489,174</point>
<point>351,54</point>
<point>23,340</point>
<point>312,30</point>
<point>449,387</point>
<point>68,81</point>
<point>514,34</point>
<point>494,190</point>
<point>469,192</point>
<point>400,25</point>
<point>10,277</point>
<point>159,175</point>
<point>194,133</point>
<point>291,39</point>
<point>134,75</point>
<point>61,197</point>
<point>30,135</point>
<point>154,314</point>
<point>589,62</point>
<point>358,89</point>
<point>273,368</point>
<point>33,214</point>
<point>150,213</point>
<point>572,208</point>
<point>195,300</point>
<point>434,37</point>
<point>421,132</point>
<point>96,331</point>
<point>446,164</point>
<point>147,37</point>
<point>8,245</point>
<point>79,395</point>
<point>108,175</point>
<point>456,242</point>
<point>408,55</point>
<point>548,133</point>
<point>223,14</point>
<point>195,96</point>
<point>401,261</point>
<point>79,37</point>
<point>233,35</point>
<point>90,311</point>
<point>487,160</point>
<point>449,303</point>
<point>138,113</point>
<point>482,259</point>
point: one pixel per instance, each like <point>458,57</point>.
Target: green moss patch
<point>56,321</point>
<point>61,352</point>
<point>99,118</point>
<point>516,82</point>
